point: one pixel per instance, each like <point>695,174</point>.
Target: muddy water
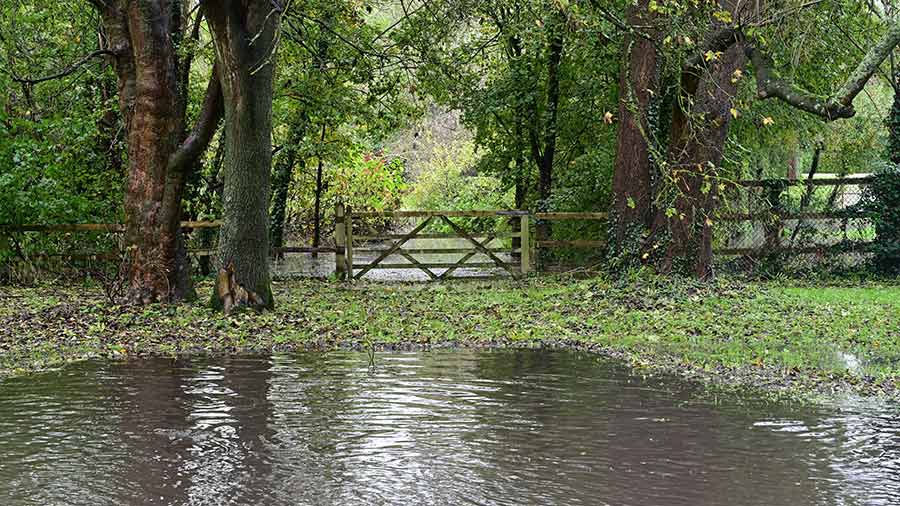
<point>450,427</point>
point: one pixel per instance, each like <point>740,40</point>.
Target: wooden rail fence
<point>774,218</point>
<point>516,260</point>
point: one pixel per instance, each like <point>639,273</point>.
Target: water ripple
<point>482,428</point>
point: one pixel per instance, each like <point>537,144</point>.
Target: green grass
<point>770,335</point>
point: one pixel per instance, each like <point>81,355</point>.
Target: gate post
<point>525,243</point>
<point>339,242</point>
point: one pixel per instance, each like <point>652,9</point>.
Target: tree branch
<point>68,70</point>
<point>839,105</point>
<point>203,131</point>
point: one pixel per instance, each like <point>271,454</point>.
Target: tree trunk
<point>244,39</point>
<point>142,35</point>
<point>632,177</point>
<point>696,150</point>
<point>546,156</point>
<point>893,124</point>
<point>281,183</point>
<point>317,208</point>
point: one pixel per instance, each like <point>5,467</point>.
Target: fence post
<point>525,243</point>
<point>339,241</point>
<point>348,235</point>
<point>774,229</point>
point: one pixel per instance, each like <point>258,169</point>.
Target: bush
<point>363,182</point>
<point>449,183</point>
<point>880,203</point>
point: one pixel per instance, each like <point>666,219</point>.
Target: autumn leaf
<point>723,16</point>
<point>608,118</point>
<point>734,113</point>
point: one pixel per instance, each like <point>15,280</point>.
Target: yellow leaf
<point>608,118</point>
<point>723,16</point>
<point>768,121</point>
<point>709,56</point>
<point>734,113</point>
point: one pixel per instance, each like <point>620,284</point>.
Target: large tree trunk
<point>695,152</point>
<point>244,38</point>
<point>632,176</point>
<point>142,35</point>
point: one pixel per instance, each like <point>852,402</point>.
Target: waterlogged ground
<point>775,336</point>
<point>441,428</point>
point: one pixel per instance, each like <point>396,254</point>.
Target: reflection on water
<point>465,427</point>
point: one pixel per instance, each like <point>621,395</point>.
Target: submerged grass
<point>770,335</point>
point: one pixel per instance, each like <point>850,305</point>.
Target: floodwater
<point>430,428</point>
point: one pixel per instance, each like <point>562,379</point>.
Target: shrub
<point>880,203</point>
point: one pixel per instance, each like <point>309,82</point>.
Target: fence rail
<point>772,229</point>
<point>755,228</point>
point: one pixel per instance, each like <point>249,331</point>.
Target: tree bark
<point>632,176</point>
<point>695,153</point>
<point>281,183</point>
<point>893,124</point>
<point>545,155</point>
<point>317,206</point>
<point>244,39</point>
<point>141,36</point>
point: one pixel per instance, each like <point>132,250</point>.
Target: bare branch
<point>68,70</point>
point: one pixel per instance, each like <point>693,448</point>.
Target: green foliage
<point>368,183</point>
<point>881,204</point>
<point>363,181</point>
<point>450,182</point>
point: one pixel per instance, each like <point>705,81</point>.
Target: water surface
<point>450,427</point>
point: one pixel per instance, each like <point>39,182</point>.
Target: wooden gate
<point>386,246</point>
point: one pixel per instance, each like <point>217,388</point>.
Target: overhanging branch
<point>839,105</point>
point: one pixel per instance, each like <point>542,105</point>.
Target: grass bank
<point>774,336</point>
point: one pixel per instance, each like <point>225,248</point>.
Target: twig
<point>69,70</point>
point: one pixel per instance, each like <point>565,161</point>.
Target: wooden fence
<point>518,259</point>
<point>774,217</point>
<point>6,232</point>
<point>515,260</point>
